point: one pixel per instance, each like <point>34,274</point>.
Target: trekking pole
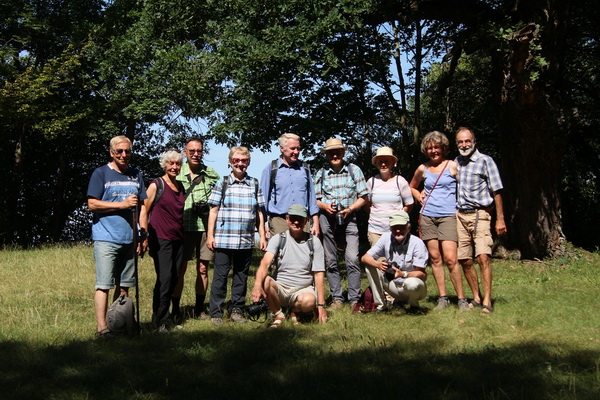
<point>134,224</point>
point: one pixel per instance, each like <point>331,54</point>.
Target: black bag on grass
<point>119,317</point>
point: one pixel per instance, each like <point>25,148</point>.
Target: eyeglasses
<point>194,151</point>
<point>119,151</point>
<point>240,160</point>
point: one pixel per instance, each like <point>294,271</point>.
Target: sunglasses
<point>120,151</point>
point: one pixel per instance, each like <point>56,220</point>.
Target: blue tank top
<point>442,202</point>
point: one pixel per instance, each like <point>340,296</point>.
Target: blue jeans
<point>350,233</point>
<point>224,259</point>
<point>114,265</point>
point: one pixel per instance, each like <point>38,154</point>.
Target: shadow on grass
<point>285,364</point>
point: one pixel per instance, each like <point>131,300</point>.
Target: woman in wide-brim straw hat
<point>388,192</point>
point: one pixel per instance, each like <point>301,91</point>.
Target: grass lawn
<point>542,342</point>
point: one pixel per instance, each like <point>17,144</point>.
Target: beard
<point>467,151</point>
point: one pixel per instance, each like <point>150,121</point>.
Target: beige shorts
<point>469,234</point>
<point>279,224</point>
<point>373,238</point>
<point>288,295</point>
<point>191,240</point>
<point>440,228</point>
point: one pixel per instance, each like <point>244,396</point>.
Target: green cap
<point>399,218</point>
<point>297,209</point>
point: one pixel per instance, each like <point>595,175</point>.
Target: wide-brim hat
<point>333,144</point>
<point>384,152</point>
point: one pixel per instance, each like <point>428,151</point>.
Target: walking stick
<point>134,224</point>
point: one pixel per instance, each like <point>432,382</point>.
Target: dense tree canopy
<point>74,73</point>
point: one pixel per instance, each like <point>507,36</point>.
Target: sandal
<point>474,304</point>
<point>487,309</point>
<point>294,319</point>
<point>277,322</point>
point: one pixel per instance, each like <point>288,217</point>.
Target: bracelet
<point>320,305</point>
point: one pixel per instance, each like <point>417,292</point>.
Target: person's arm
<point>102,206</point>
<point>500,224</point>
<point>261,274</point>
<point>325,207</point>
<point>419,272</point>
<point>319,278</point>
<point>315,230</point>
<point>415,183</point>
<point>210,229</point>
<point>261,229</point>
<point>380,264</point>
<point>357,205</point>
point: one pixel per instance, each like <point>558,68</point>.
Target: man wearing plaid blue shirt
<point>478,186</point>
<point>340,190</point>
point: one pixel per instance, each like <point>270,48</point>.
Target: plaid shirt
<point>478,179</point>
<point>236,219</point>
<point>339,186</point>
<point>201,192</point>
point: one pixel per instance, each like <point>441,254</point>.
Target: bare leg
<point>437,265</point>
<point>472,279</point>
<point>272,293</point>
<point>201,276</point>
<point>449,251</point>
<point>101,306</point>
<point>486,278</point>
<point>306,302</point>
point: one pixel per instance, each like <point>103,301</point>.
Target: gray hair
<point>119,139</point>
<point>283,139</point>
<point>435,137</point>
<point>168,156</point>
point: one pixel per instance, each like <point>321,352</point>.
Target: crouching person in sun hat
<point>398,262</point>
<point>298,280</point>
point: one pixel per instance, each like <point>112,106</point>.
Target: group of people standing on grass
<point>303,221</point>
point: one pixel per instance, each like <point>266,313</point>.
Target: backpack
<point>160,188</point>
<point>273,186</point>
<point>365,303</point>
<point>119,317</point>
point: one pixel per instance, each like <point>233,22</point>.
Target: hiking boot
<point>104,334</point>
<point>237,316</point>
<point>442,303</point>
<point>216,321</point>
<point>463,305</point>
<point>336,305</point>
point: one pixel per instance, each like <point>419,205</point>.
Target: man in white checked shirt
<point>477,191</point>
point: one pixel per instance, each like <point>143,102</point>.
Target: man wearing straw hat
<point>341,190</point>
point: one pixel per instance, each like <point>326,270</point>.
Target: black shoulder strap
<point>160,188</point>
<point>372,186</point>
<point>197,180</point>
<point>272,186</point>
<point>224,189</point>
<point>351,172</point>
<point>307,184</point>
<point>256,190</point>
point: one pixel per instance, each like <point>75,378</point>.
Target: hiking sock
<point>199,307</point>
<point>175,309</point>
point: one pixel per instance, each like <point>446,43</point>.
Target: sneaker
<point>237,316</point>
<point>104,334</point>
<point>463,305</point>
<point>202,316</point>
<point>442,303</point>
<point>163,329</point>
<point>216,321</point>
<point>294,318</point>
<point>336,305</point>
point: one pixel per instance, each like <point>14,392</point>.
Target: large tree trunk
<point>533,133</point>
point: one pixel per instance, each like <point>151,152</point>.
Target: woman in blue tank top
<point>437,222</point>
